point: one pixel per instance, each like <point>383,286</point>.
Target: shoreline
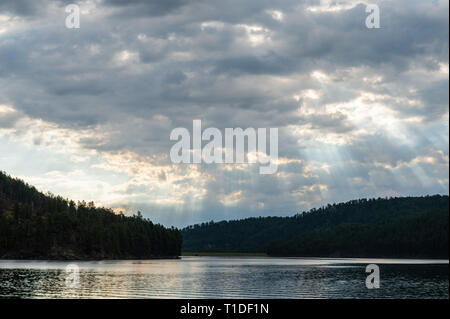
<point>222,254</point>
<point>49,258</point>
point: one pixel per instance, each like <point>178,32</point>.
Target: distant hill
<point>38,226</point>
<point>394,227</point>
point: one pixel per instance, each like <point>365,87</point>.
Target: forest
<point>34,225</point>
<point>423,235</point>
<point>381,227</point>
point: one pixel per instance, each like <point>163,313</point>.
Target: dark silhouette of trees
<point>422,235</point>
<point>34,225</point>
<point>37,225</point>
<point>396,227</point>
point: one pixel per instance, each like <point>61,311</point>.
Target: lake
<point>224,277</point>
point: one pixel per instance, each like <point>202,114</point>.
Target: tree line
<point>37,225</point>
<point>403,226</point>
<point>423,235</point>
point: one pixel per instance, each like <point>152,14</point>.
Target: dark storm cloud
<point>270,63</point>
<point>325,40</point>
<point>20,7</point>
<point>148,8</point>
<point>29,8</point>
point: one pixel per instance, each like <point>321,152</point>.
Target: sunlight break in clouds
<point>87,113</point>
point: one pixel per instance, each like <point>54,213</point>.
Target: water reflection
<point>222,277</point>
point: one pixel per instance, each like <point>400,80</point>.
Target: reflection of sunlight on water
<point>225,277</point>
<point>346,266</point>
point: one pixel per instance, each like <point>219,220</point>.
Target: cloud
<point>361,112</point>
<point>147,8</point>
<point>20,7</point>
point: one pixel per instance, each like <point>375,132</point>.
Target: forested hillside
<point>422,235</point>
<point>35,225</point>
<point>368,219</point>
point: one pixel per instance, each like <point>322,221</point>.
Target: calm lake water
<point>225,277</point>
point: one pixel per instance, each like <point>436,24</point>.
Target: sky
<point>86,113</point>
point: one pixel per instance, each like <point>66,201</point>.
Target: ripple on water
<point>207,277</point>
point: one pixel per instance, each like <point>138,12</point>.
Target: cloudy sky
<point>87,113</point>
